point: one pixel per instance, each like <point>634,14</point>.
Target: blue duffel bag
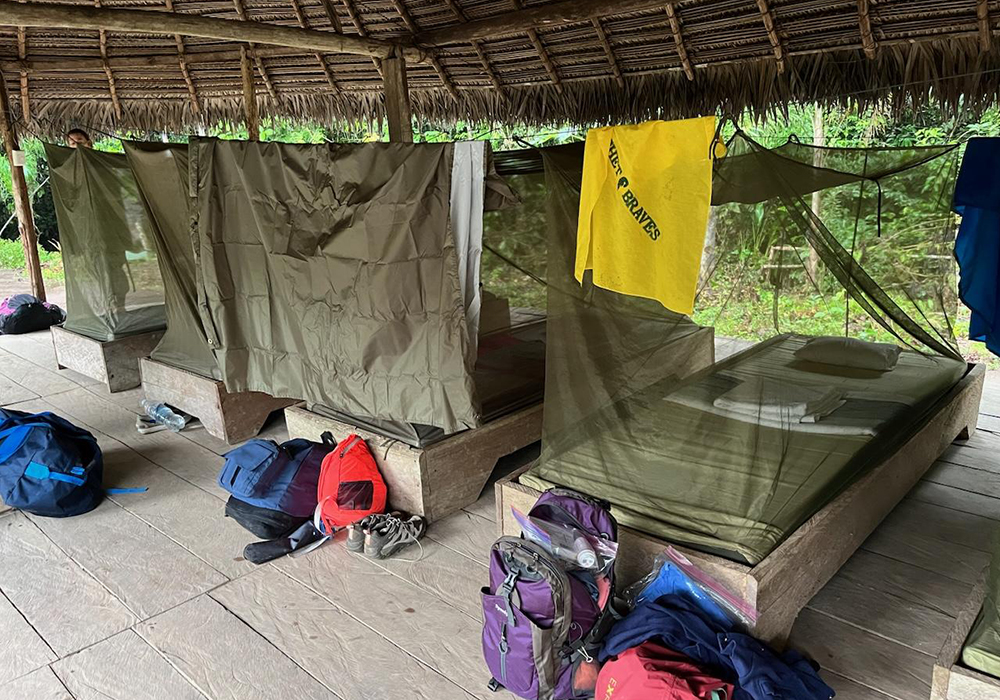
<point>48,466</point>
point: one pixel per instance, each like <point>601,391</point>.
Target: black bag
<point>23,313</point>
<point>265,523</point>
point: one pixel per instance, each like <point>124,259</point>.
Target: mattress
<point>509,376</point>
<point>677,467</point>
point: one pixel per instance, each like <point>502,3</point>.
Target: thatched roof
<point>690,57</point>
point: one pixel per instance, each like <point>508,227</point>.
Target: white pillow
<point>849,352</point>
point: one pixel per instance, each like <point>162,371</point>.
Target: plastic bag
<point>674,573</point>
<point>571,545</point>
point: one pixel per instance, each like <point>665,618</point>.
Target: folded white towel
<point>773,399</point>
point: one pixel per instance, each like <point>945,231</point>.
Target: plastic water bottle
<point>161,413</point>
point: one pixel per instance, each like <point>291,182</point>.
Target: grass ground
<point>12,258</point>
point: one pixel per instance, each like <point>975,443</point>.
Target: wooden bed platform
<point>781,585</point>
<point>441,478</point>
<point>230,417</point>
<point>111,362</point>
<point>951,680</point>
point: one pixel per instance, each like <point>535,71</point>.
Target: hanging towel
<point>644,203</point>
<point>977,247</point>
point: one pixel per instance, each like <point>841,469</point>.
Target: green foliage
<point>12,258</point>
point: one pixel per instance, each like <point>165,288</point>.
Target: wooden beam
<point>155,22</point>
<point>22,54</point>
<point>608,51</point>
<point>252,50</point>
<point>183,64</point>
<point>249,96</point>
<point>397,100</point>
<point>331,14</point>
<point>77,64</point>
<point>540,49</point>
<point>477,46</point>
<point>772,34</point>
<point>359,25</point>
<point>675,28</point>
<point>435,63</point>
<point>535,17</point>
<point>112,89</point>
<point>304,23</point>
<point>865,23</point>
<point>985,25</point>
<point>22,199</point>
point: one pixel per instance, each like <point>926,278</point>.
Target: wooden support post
<point>397,99</point>
<point>22,199</point>
<point>985,25</point>
<point>249,96</point>
<point>772,34</point>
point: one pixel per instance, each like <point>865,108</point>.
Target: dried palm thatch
<point>691,57</point>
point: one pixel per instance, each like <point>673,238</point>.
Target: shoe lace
<point>403,528</point>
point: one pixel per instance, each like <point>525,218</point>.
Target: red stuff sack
<point>350,485</point>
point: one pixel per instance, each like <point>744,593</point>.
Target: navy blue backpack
<point>273,486</point>
<point>48,466</point>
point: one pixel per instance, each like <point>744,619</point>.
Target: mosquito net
<point>113,285</point>
<point>730,452</point>
<point>161,171</point>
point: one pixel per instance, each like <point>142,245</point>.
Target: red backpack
<point>350,485</point>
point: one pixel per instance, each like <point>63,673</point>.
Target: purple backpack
<point>542,622</point>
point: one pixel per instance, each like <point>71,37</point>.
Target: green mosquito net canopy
<point>727,429</point>
<point>344,275</point>
<point>113,283</point>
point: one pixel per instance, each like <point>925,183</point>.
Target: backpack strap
<point>328,439</point>
<point>40,471</point>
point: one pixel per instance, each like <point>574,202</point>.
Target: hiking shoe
<point>393,534</point>
<point>356,532</point>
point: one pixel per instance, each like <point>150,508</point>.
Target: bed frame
<point>781,585</point>
<point>111,362</point>
<point>230,417</point>
<point>448,475</point>
<point>441,478</point>
<point>951,680</point>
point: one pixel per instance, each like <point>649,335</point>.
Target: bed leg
<point>966,433</point>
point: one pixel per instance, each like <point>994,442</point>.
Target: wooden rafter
<point>22,54</point>
<point>359,25</point>
<point>112,88</point>
<point>865,23</point>
<point>331,14</point>
<point>772,34</point>
<point>985,25</point>
<point>435,63</point>
<point>47,15</point>
<point>252,50</point>
<point>183,64</point>
<point>682,53</point>
<point>304,23</point>
<point>477,46</point>
<point>535,17</point>
<point>608,51</point>
<point>540,49</point>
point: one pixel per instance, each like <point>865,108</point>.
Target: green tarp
<point>113,284</point>
<point>161,171</point>
<point>330,274</point>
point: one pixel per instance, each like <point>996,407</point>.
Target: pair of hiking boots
<point>382,535</point>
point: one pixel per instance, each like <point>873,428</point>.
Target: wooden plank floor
<point>148,597</point>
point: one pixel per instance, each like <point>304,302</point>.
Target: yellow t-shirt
<point>644,204</point>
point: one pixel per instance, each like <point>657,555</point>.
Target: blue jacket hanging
<point>977,247</point>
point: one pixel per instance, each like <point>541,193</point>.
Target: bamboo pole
<point>15,14</point>
<point>22,199</point>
